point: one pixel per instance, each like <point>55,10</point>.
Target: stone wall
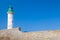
<point>15,34</point>
<point>11,34</point>
<point>44,35</point>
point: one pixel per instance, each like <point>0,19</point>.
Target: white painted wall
<point>10,21</point>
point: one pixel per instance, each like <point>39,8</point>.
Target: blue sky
<point>32,15</point>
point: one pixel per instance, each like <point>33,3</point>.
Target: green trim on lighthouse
<point>10,9</point>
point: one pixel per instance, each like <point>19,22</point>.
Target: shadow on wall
<point>4,38</point>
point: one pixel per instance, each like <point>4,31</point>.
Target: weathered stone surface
<point>43,35</point>
<point>12,34</point>
<point>15,34</point>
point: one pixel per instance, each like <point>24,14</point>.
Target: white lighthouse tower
<point>10,18</point>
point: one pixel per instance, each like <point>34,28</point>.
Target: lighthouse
<point>10,18</point>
